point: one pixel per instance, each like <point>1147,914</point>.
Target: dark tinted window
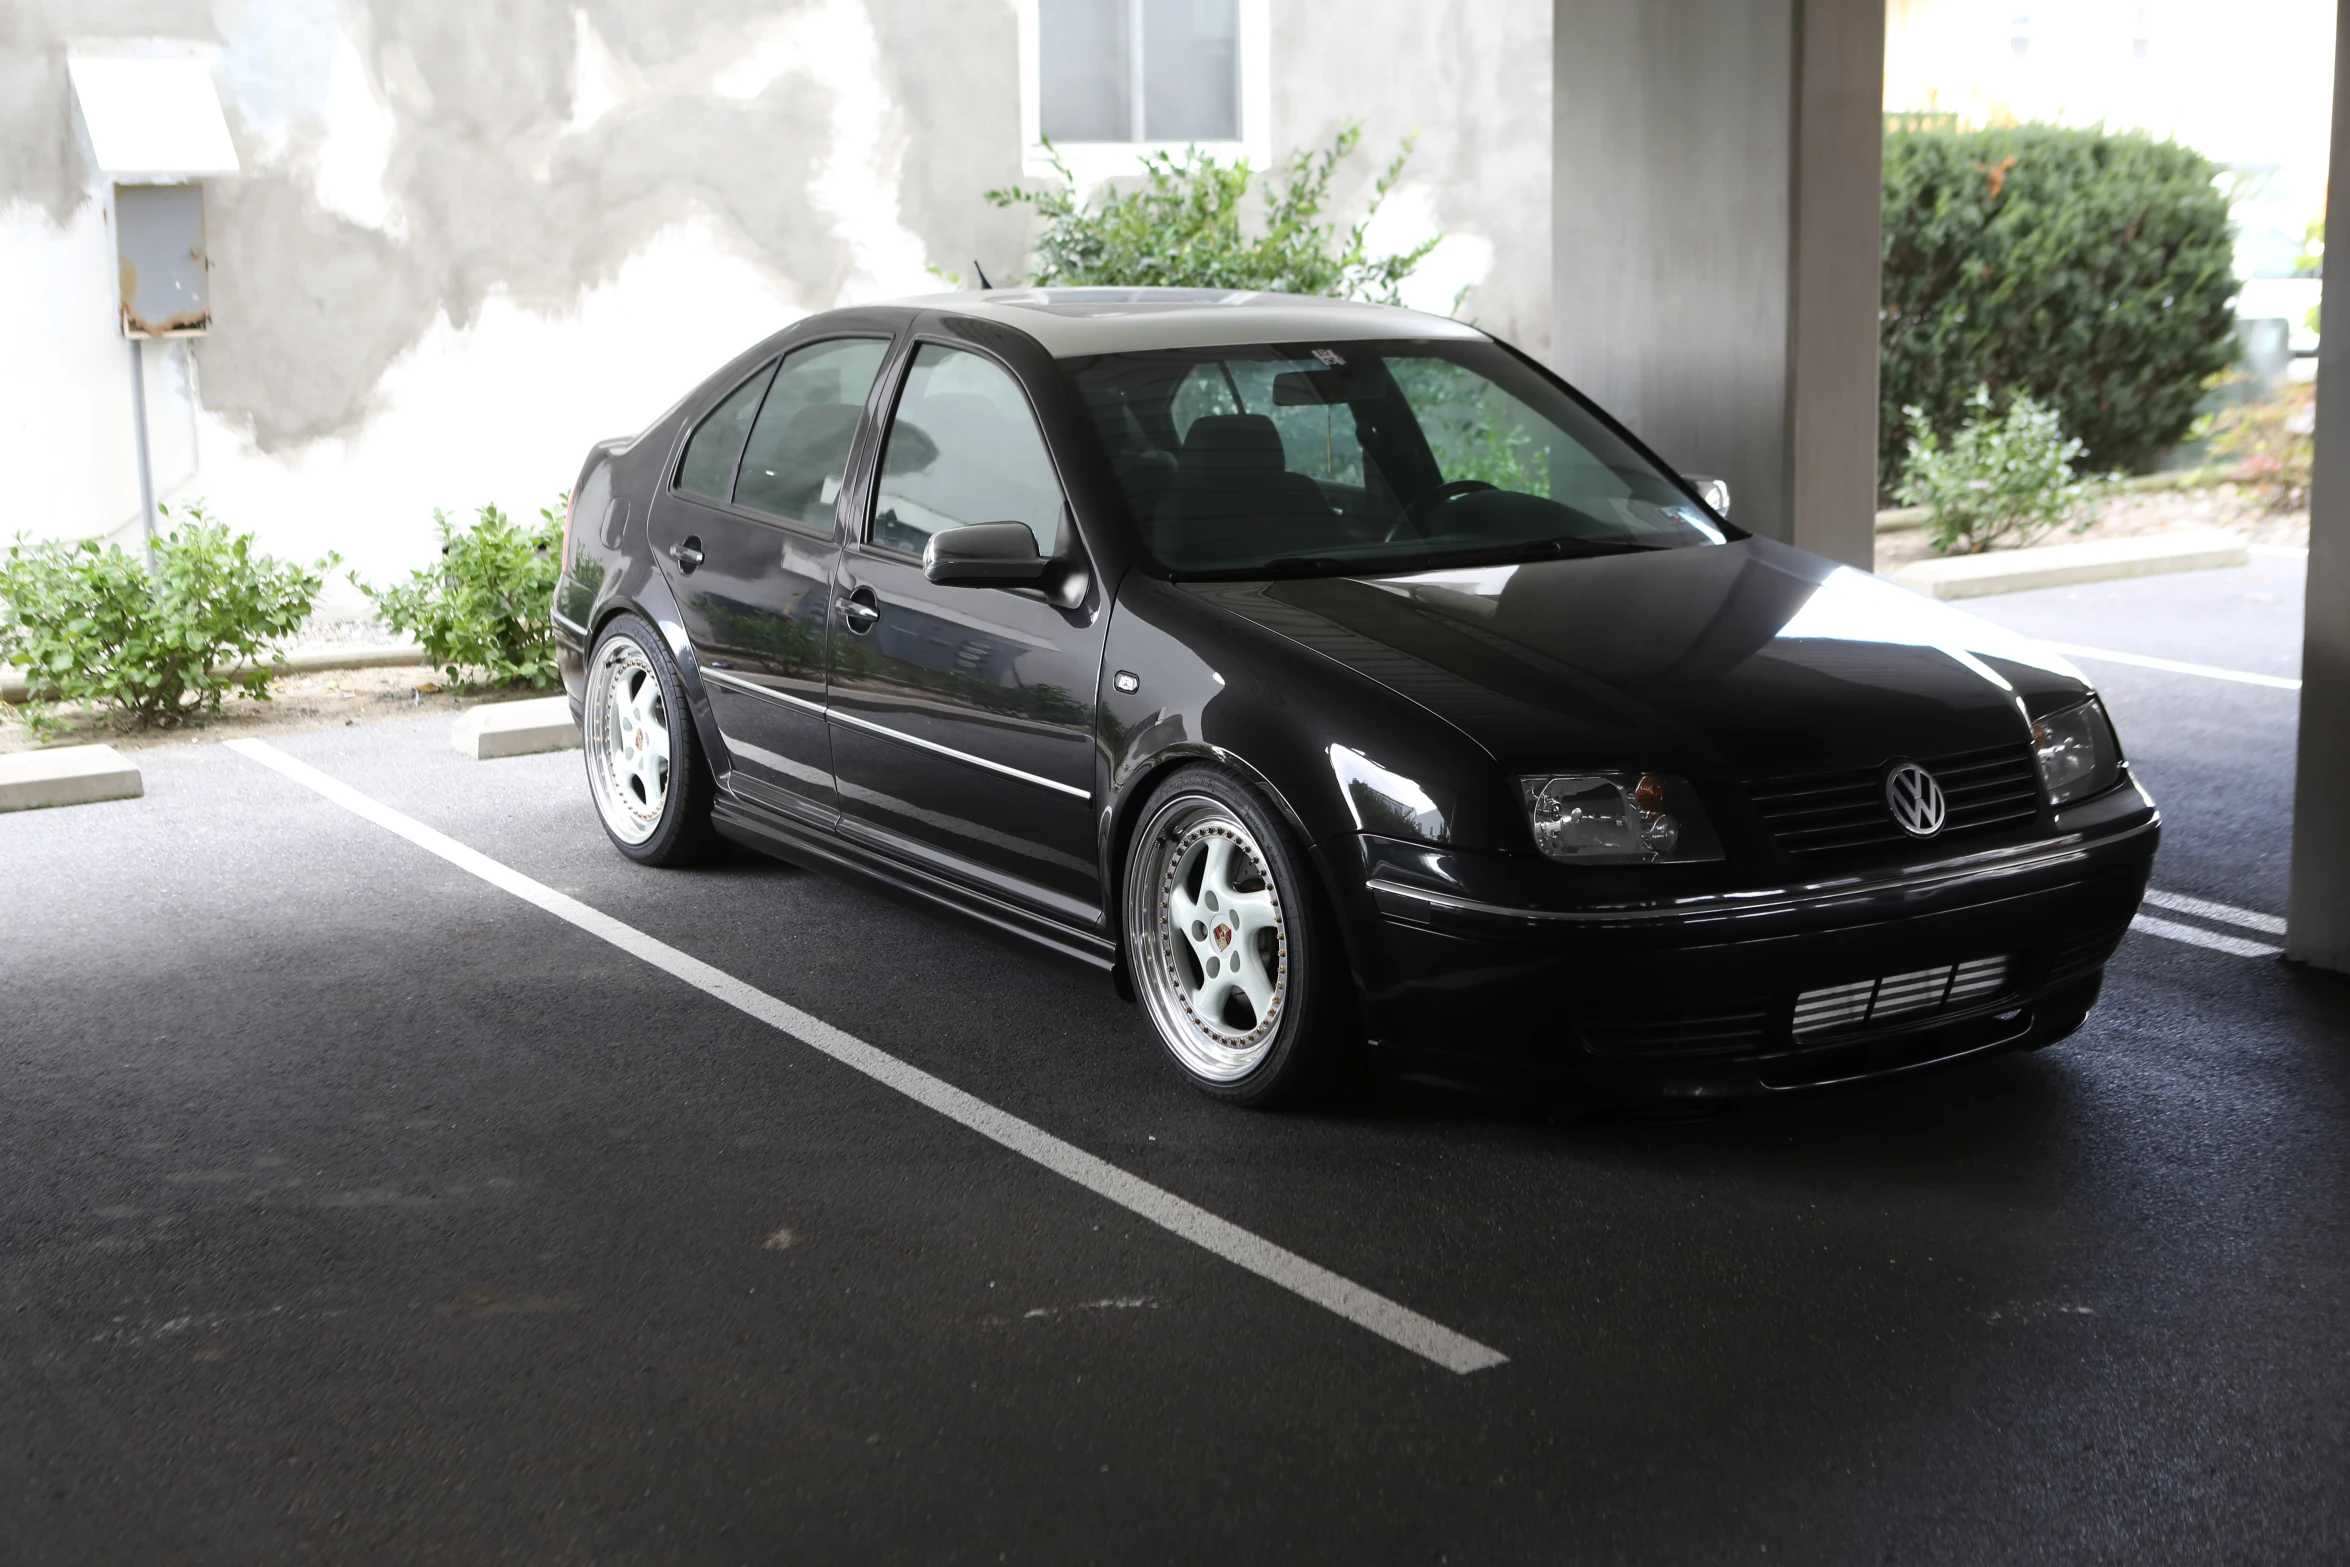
<point>708,468</point>
<point>799,449</point>
<point>1270,460</point>
<point>963,449</point>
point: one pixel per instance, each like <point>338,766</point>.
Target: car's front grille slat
<point>1898,997</point>
<point>1832,813</point>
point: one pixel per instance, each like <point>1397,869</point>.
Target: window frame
<point>773,368</point>
<point>1095,161</point>
<point>900,376</point>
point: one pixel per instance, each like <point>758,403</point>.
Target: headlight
<point>2077,752</point>
<point>1618,819</point>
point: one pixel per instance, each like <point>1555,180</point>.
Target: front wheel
<point>1227,945</point>
<point>651,787</point>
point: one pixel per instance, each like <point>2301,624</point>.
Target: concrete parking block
<point>2062,565</point>
<point>516,729</point>
<point>69,775</point>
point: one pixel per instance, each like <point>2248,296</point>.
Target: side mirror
<point>985,555</point>
<point>1714,492</point>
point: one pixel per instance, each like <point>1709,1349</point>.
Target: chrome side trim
<point>752,688</point>
<point>903,738</point>
<point>570,625</point>
<point>1774,900</point>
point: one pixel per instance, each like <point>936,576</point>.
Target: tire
<point>1213,875</point>
<point>646,772</point>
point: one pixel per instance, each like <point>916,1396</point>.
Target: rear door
<point>748,538</point>
<point>963,716</point>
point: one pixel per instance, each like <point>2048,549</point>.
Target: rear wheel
<point>651,787</point>
<point>1227,945</point>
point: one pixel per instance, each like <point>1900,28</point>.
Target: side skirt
<point>811,849</point>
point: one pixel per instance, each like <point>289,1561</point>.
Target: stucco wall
<point>469,239</point>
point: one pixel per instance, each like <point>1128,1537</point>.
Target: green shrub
<point>486,606</point>
<point>1181,228</point>
<point>2272,439</point>
<point>87,623</point>
<point>2001,477</point>
<point>2093,271</point>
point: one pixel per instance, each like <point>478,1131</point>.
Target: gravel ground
<point>324,699</point>
<point>2226,507</point>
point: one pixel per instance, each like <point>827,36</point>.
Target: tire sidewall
<point>683,830</point>
<point>1296,1063</point>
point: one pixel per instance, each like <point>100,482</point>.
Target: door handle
<point>687,552</point>
<point>859,610</point>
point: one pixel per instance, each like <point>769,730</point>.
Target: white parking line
<point>1366,1309</point>
<point>2226,913</point>
<point>2175,666</point>
<point>2233,946</point>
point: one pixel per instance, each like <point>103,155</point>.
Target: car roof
<point>1075,321</point>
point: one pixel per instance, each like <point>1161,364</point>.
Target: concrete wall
<point>2318,915</point>
<point>1716,176</point>
<point>470,239</point>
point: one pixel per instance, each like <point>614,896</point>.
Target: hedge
<point>2092,270</point>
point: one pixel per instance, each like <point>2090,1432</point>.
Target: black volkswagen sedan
<point>1335,678</point>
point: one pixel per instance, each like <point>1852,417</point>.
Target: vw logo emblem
<point>1915,800</point>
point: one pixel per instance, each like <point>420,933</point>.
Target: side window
<point>798,451</point>
<point>962,449</point>
<point>708,466</point>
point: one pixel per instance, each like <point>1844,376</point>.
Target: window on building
<point>1103,81</point>
<point>1138,70</point>
<point>2019,34</point>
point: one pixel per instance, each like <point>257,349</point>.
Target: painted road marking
<point>2171,930</point>
<point>2226,913</point>
<point>2174,666</point>
<point>1366,1309</point>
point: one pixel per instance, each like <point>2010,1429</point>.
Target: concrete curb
<point>69,775</point>
<point>388,655</point>
<point>2063,565</point>
<point>515,728</point>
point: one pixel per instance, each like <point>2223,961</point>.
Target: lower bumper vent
<point>1897,996</point>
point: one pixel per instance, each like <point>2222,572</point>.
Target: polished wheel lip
<point>1200,830</point>
<point>627,740</point>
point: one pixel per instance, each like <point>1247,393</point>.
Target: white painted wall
<point>344,113</point>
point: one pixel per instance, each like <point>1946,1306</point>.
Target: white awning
<point>155,118</point>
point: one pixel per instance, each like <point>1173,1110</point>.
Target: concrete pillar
<point>1717,168</point>
<point>2318,914</point>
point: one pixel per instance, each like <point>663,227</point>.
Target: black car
<point>1334,677</point>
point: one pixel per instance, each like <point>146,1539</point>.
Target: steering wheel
<point>1443,494</point>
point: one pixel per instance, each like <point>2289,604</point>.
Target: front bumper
<point>1696,994</point>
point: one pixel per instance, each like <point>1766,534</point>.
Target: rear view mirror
<point>1320,388</point>
<point>985,555</point>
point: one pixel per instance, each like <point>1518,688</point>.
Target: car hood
<point>1749,659</point>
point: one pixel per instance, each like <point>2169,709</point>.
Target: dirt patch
<point>322,699</point>
<point>2225,507</point>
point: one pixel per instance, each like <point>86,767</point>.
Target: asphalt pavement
<point>354,1207</point>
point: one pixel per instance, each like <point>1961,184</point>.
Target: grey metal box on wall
<point>159,248</point>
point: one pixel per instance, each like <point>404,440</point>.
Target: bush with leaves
<point>485,607</point>
<point>2001,477</point>
<point>1181,228</point>
<point>88,623</point>
<point>2273,439</point>
<point>2092,270</point>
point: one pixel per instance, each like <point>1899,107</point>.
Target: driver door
<point>962,717</point>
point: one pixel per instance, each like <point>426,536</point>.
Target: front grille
<point>1898,996</point>
<point>1724,1029</point>
<point>1835,813</point>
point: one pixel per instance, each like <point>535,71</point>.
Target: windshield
<point>1303,460</point>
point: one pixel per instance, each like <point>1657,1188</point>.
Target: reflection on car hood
<point>1751,659</point>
